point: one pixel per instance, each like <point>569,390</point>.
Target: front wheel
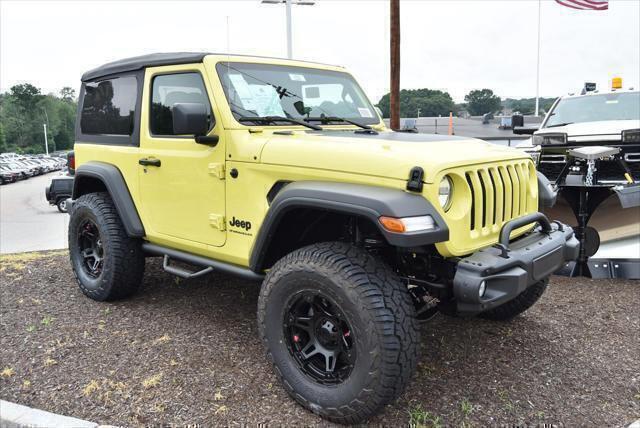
<point>340,329</point>
<point>108,264</point>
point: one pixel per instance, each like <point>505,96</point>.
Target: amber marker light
<point>407,224</point>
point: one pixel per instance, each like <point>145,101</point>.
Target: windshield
<point>593,108</point>
<point>260,90</point>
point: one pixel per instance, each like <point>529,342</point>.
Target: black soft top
<point>140,62</point>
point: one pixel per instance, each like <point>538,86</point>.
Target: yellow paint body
<point>188,202</point>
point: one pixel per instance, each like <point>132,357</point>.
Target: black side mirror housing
<point>521,130</point>
<point>193,119</point>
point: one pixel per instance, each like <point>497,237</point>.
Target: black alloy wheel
<point>319,338</point>
<point>91,249</point>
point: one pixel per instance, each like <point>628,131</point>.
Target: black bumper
<point>507,269</point>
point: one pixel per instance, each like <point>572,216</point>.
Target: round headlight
<point>444,192</point>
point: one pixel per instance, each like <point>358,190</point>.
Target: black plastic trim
<point>366,201</point>
<point>202,261</point>
<point>529,259</point>
<point>113,180</point>
<point>140,62</point>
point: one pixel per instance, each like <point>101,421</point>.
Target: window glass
<point>171,89</point>
<point>257,90</point>
<point>596,107</point>
<point>109,106</point>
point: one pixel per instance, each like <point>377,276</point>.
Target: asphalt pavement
<point>27,221</point>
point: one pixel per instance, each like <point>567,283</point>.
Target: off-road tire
<point>62,205</point>
<point>515,307</point>
<point>381,315</point>
<point>123,258</point>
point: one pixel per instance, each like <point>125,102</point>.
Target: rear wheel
<point>108,265</point>
<point>62,205</point>
<point>340,329</point>
<point>521,303</point>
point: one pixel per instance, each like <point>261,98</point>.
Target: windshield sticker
<point>297,77</point>
<point>365,112</point>
<point>266,100</point>
<point>242,89</point>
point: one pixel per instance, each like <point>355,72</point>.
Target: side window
<point>171,89</point>
<point>108,106</point>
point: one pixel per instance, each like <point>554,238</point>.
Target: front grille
<point>551,170</point>
<point>499,194</point>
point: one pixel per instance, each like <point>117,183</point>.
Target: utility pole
<point>538,63</point>
<point>46,144</point>
<point>395,64</point>
<point>288,4</point>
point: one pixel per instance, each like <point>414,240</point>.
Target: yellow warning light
<point>616,83</point>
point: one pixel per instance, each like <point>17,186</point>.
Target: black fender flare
<point>366,201</point>
<point>117,188</point>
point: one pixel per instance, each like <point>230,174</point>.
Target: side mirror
<point>521,130</point>
<point>192,119</point>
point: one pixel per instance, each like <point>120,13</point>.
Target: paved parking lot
<point>29,223</point>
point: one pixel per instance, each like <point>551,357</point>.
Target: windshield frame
<point>375,121</point>
<point>545,123</point>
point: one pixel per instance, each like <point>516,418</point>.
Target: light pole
<point>288,4</point>
<point>46,144</point>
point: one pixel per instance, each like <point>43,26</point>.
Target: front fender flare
<point>366,201</point>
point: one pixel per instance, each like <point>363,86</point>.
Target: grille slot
<point>498,194</point>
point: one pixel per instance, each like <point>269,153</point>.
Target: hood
<point>388,154</point>
<point>605,130</point>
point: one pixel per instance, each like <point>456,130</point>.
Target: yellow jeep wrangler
<point>283,172</point>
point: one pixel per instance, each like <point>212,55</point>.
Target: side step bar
<point>208,265</point>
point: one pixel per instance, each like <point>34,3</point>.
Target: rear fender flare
<point>114,182</point>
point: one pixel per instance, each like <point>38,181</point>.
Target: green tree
<point>68,94</point>
<point>528,105</point>
<point>481,101</point>
<point>430,103</point>
<point>24,110</point>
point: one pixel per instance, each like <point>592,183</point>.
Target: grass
<point>152,381</point>
<point>7,372</point>
<point>466,407</point>
<point>19,261</point>
<point>420,418</point>
<point>46,321</point>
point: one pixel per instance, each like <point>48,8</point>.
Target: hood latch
<point>415,179</point>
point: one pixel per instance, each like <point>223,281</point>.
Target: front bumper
<point>509,268</point>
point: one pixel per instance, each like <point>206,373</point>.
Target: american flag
<point>585,4</point>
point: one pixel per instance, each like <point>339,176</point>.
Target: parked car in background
<point>59,191</point>
<point>7,175</point>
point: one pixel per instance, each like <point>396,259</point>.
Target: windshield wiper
<point>272,119</point>
<point>555,125</point>
<point>327,119</point>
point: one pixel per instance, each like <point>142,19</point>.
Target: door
<point>181,181</point>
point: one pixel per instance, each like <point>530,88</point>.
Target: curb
<point>15,415</point>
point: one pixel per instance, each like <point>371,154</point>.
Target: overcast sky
<point>454,45</point>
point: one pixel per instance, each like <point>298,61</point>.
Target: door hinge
<point>217,170</point>
<point>217,221</point>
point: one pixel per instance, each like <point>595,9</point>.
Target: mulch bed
<point>187,352</point>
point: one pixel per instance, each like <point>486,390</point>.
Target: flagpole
<point>538,64</point>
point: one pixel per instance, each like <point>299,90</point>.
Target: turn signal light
<point>407,224</point>
<point>392,224</point>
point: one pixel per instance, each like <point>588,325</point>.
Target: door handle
<point>149,162</point>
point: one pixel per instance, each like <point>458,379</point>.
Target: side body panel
<point>182,201</point>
